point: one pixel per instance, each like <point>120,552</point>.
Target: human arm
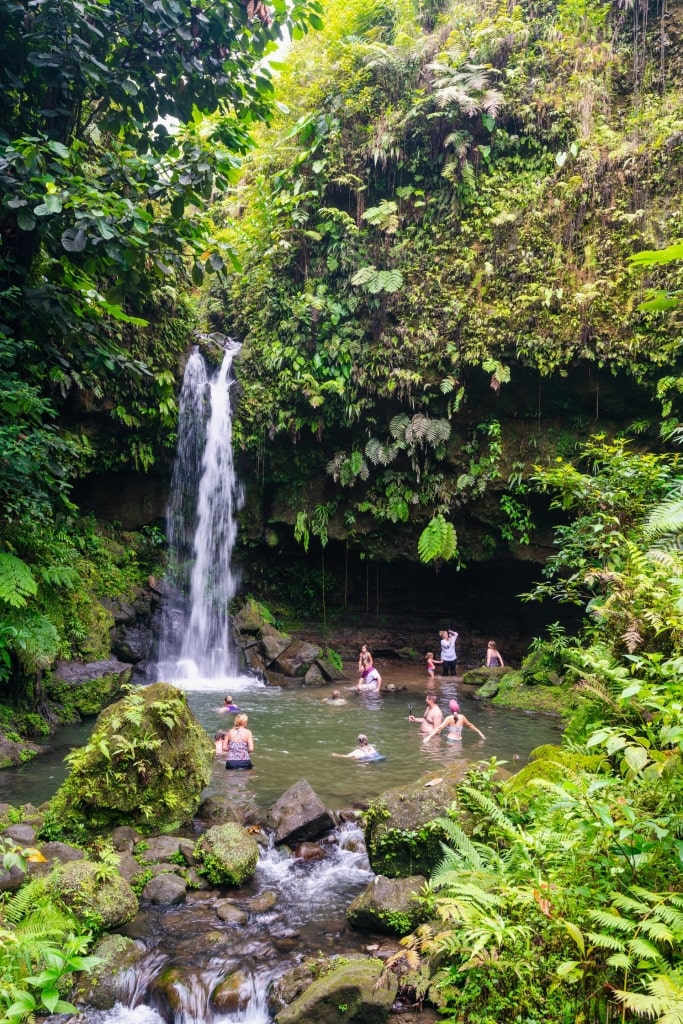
<point>469,725</point>
<point>448,720</point>
<point>250,742</point>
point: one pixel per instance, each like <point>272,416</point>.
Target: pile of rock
<point>280,659</point>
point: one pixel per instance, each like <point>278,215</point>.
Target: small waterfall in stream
<point>201,530</point>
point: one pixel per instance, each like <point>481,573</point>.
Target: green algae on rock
<point>98,903</point>
<point>145,764</point>
<point>228,854</point>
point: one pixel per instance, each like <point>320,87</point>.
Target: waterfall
<point>201,530</point>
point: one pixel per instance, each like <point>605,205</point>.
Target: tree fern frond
<point>17,582</point>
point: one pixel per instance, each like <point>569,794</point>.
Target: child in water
<point>218,741</point>
<point>431,664</point>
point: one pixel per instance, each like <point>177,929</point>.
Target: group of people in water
<point>237,743</point>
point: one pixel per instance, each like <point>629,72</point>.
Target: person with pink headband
<point>454,723</point>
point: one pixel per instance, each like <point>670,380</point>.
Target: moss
<point>97,903</point>
<point>89,697</point>
<point>145,764</point>
<point>228,854</point>
<point>515,693</point>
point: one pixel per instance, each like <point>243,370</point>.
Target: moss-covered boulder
<point>552,698</point>
<point>400,834</point>
<point>98,903</point>
<point>482,676</point>
<point>349,992</point>
<point>108,982</point>
<point>86,689</point>
<point>145,764</point>
<point>227,854</point>
<point>388,906</point>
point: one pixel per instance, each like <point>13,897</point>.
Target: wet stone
<point>264,902</point>
<point>309,851</point>
<point>230,914</point>
<point>23,834</point>
<point>165,890</point>
<point>231,995</point>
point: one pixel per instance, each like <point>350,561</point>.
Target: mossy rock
<point>351,986</point>
<point>401,836</point>
<point>227,854</point>
<point>98,904</point>
<point>553,700</point>
<point>90,696</point>
<point>145,764</point>
<point>388,906</point>
<point>482,676</point>
<point>251,618</point>
<point>106,983</point>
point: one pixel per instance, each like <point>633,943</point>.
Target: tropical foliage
<point>564,899</point>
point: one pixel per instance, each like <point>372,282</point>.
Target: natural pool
<point>296,731</point>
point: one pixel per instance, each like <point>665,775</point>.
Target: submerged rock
<point>299,814</point>
<point>146,762</point>
<point>388,906</point>
<point>227,854</point>
<point>349,985</point>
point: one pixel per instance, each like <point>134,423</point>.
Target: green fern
<point>17,582</point>
<point>438,541</point>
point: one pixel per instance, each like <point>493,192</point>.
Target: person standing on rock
<point>448,654</point>
<point>432,717</point>
<point>239,744</point>
<point>494,659</point>
<point>364,662</point>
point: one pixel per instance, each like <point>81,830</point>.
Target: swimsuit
<point>238,753</point>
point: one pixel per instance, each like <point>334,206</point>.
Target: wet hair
<point>227,700</point>
<point>336,694</point>
<point>362,739</point>
<point>454,706</point>
<point>432,697</point>
<point>220,735</point>
<point>240,720</point>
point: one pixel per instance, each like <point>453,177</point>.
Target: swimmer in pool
<point>363,752</point>
<point>228,705</point>
<point>455,723</point>
<point>336,698</point>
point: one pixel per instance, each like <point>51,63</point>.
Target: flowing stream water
<point>188,949</point>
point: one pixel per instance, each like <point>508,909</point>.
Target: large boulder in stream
<point>401,836</point>
<point>100,903</point>
<point>299,814</point>
<point>145,764</point>
<point>85,689</point>
<point>388,906</point>
<point>350,985</point>
<point>110,981</point>
<point>227,854</point>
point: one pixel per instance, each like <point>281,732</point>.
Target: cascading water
<point>201,529</point>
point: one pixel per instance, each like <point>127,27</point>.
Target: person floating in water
<point>228,705</point>
<point>370,679</point>
<point>336,698</point>
<point>364,662</point>
<point>239,744</point>
<point>363,752</point>
<point>431,664</point>
<point>432,717</point>
<point>218,740</point>
<point>494,659</point>
<point>454,723</point>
